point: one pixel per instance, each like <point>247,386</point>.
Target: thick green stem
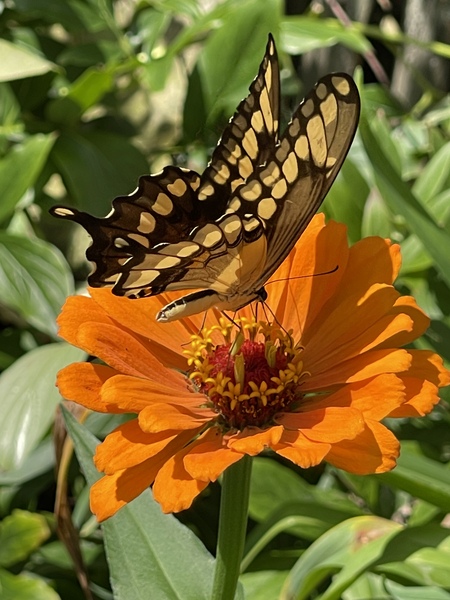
<point>232,528</point>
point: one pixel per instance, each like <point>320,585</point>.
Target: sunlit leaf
<point>18,62</point>
<point>20,168</point>
<point>35,280</point>
<point>29,399</point>
<point>21,532</point>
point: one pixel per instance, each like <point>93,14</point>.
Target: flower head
<point>312,383</point>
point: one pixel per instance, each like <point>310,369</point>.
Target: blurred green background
<point>95,93</point>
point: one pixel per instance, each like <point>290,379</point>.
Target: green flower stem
<point>232,528</point>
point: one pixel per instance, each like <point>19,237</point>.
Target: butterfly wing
<point>174,232</point>
<point>285,192</point>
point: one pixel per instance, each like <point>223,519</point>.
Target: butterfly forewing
<point>249,138</point>
<point>227,230</point>
<point>304,165</point>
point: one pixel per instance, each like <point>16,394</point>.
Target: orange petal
<point>160,417</point>
<point>358,368</point>
<point>375,450</point>
<point>132,394</point>
<point>77,311</point>
<point>174,488</point>
<point>328,425</point>
<point>319,250</point>
<point>348,321</point>
<point>121,350</point>
<point>300,450</point>
<point>323,360</point>
<point>422,397</point>
<point>209,457</point>
<point>128,446</point>
<point>375,398</point>
<point>422,380</point>
<point>112,492</point>
<point>252,440</point>
<point>381,255</point>
<point>139,316</point>
<point>428,365</point>
<point>82,382</point>
<point>407,305</point>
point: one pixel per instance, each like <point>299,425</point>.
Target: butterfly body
<point>226,231</point>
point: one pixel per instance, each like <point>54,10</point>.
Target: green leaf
<point>420,555</point>
<point>401,200</point>
<point>303,34</point>
<point>434,178</point>
<point>346,199</point>
<point>403,592</point>
<point>274,486</point>
<point>83,93</point>
<point>20,168</point>
<point>20,534</point>
<point>263,585</point>
<point>18,63</point>
<point>9,113</point>
<point>348,550</point>
<point>22,587</point>
<point>98,167</point>
<point>414,256</point>
<point>421,477</point>
<point>240,43</point>
<point>29,399</point>
<point>41,460</point>
<point>35,280</point>
<point>146,549</point>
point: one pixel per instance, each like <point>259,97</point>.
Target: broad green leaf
<point>83,93</point>
<point>421,477</point>
<point>377,218</point>
<point>346,199</point>
<point>25,587</point>
<point>29,399</point>
<point>98,167</point>
<point>368,586</point>
<point>402,201</point>
<point>307,520</point>
<point>407,592</point>
<point>274,486</point>
<point>263,585</point>
<point>40,461</point>
<point>20,168</point>
<point>348,550</point>
<point>35,280</point>
<point>303,34</point>
<point>414,256</point>
<point>418,554</point>
<point>10,122</point>
<point>18,62</point>
<point>20,533</point>
<point>435,177</point>
<point>146,549</point>
<point>439,206</point>
<point>240,44</point>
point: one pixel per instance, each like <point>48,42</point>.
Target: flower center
<point>250,378</point>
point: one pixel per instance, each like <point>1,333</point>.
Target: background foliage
<point>94,93</point>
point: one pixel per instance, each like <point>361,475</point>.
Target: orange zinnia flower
<point>313,387</point>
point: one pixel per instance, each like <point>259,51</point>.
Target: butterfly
<point>225,232</point>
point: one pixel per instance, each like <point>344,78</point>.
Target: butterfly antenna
<point>333,270</point>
